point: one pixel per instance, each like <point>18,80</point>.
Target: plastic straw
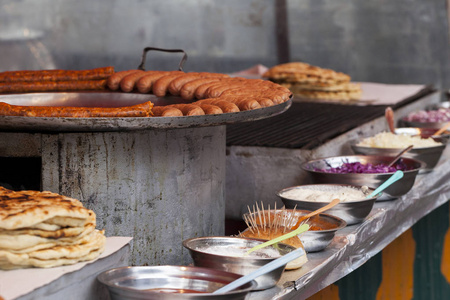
<point>286,236</point>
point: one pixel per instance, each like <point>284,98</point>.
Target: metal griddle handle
<point>144,54</point>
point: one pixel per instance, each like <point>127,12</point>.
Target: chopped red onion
<point>358,167</point>
<point>430,116</point>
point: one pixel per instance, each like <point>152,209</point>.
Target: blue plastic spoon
<point>396,176</point>
<point>261,271</point>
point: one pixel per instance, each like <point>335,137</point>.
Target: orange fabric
<point>331,292</point>
<point>398,269</point>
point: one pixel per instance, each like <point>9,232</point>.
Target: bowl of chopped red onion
<point>435,116</point>
<point>364,170</point>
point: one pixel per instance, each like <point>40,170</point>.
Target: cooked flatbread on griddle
<point>305,73</point>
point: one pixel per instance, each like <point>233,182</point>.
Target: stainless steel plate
<point>112,99</point>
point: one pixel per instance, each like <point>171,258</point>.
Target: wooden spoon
<point>333,203</point>
<point>442,130</point>
<point>399,155</point>
<point>389,115</point>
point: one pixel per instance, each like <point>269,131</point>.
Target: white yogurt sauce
<point>239,251</point>
<point>315,195</point>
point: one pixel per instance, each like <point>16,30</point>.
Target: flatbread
<point>56,256</point>
<point>54,234</point>
<point>304,73</point>
<point>23,243</point>
<point>45,226</point>
<point>338,95</point>
<point>27,208</point>
<point>345,87</point>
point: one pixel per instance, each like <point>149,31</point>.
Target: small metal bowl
<point>170,282</point>
<point>425,133</point>
<point>238,265</point>
<point>312,240</point>
<point>372,180</point>
<point>404,122</point>
<point>352,212</point>
<point>429,155</point>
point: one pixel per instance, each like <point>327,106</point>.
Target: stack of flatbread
<point>44,229</point>
<point>309,81</point>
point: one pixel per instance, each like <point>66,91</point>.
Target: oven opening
<point>21,173</point>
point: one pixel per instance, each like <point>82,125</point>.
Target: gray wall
<point>402,41</point>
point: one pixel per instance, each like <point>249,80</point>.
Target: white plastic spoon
<point>261,271</point>
<point>396,176</point>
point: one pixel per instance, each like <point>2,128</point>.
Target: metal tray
<point>117,99</point>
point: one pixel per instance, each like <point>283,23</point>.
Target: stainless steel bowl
<point>127,283</point>
<point>352,212</point>
<point>425,133</point>
<point>312,240</point>
<point>437,125</point>
<point>429,155</point>
<point>238,265</point>
<point>372,180</point>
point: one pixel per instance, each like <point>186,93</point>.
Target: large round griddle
<point>116,99</point>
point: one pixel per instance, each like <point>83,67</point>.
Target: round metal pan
<point>113,99</point>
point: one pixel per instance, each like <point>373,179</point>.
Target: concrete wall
<point>405,41</point>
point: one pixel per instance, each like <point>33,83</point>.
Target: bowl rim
<point>329,184</point>
<point>305,164</point>
<point>353,143</point>
<point>101,278</point>
<point>234,258</point>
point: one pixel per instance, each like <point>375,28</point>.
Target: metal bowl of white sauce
<point>353,208</point>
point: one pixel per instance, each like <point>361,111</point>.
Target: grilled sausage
<point>51,86</point>
<point>56,75</point>
<point>264,102</point>
<point>128,82</point>
<point>177,84</point>
<point>114,80</point>
<point>160,86</point>
<point>200,91</point>
<point>276,96</point>
<point>217,90</point>
<point>244,103</point>
<point>145,84</point>
<point>210,109</point>
<point>225,106</point>
<point>189,109</point>
<point>139,110</point>
<point>187,92</point>
<point>166,111</point>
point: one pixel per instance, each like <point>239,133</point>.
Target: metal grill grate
<point>303,125</point>
<point>307,124</point>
